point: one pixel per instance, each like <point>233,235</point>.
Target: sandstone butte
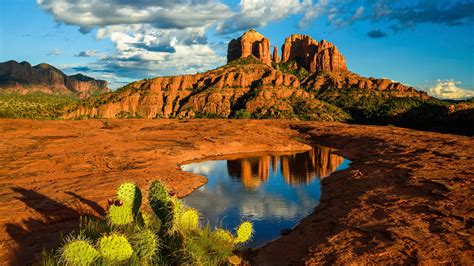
<point>252,80</point>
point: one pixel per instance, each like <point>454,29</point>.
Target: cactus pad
<point>115,248</point>
<point>161,204</point>
<point>244,232</point>
<point>144,244</point>
<point>79,252</point>
<point>120,215</point>
<point>130,195</point>
<point>223,236</point>
<point>188,220</point>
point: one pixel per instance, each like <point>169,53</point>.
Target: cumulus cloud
<point>178,14</point>
<point>401,14</point>
<point>448,89</point>
<point>253,14</point>
<point>137,63</point>
<point>408,14</point>
<point>314,11</point>
<point>450,13</point>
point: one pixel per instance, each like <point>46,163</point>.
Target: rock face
<point>257,87</point>
<point>45,78</point>
<point>312,55</point>
<point>250,43</point>
<point>275,57</point>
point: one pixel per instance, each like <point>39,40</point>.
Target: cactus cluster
<point>171,234</point>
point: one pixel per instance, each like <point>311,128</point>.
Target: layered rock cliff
<point>24,78</point>
<point>252,84</point>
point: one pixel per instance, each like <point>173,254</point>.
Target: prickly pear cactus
<point>145,244</point>
<point>130,195</point>
<point>143,220</point>
<point>161,204</point>
<point>223,236</point>
<point>188,220</point>
<point>115,248</point>
<point>157,192</point>
<point>120,215</point>
<point>244,232</point>
<point>79,252</point>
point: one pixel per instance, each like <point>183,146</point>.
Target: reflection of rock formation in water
<point>325,160</point>
<point>251,171</point>
<point>296,169</point>
<point>304,167</point>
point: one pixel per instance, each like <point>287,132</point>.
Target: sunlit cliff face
<point>299,168</point>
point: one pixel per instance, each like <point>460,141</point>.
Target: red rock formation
<point>260,89</point>
<point>275,57</point>
<point>250,43</point>
<point>311,55</point>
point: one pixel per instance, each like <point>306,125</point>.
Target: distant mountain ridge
<point>24,78</point>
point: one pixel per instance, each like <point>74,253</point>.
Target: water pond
<point>274,191</point>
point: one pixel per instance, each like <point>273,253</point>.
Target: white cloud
<point>358,14</point>
<point>253,13</point>
<point>448,89</point>
<point>144,51</point>
<point>313,12</point>
<point>163,14</point>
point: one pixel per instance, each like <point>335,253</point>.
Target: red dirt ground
<point>407,197</point>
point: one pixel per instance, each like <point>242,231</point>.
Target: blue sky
<point>425,43</point>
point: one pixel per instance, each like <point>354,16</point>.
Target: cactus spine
<point>188,220</point>
<point>120,215</point>
<point>223,236</point>
<point>79,252</point>
<point>131,196</point>
<point>115,248</point>
<point>144,244</point>
<point>161,204</point>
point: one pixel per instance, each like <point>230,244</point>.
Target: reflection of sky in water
<point>274,192</point>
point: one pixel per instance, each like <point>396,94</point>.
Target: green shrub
<point>243,114</point>
<point>34,105</point>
